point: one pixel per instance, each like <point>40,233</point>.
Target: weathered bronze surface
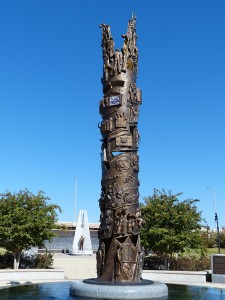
<point>119,257</point>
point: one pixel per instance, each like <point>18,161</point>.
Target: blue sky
<point>50,70</point>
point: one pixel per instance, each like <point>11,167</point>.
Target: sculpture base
<point>81,252</point>
<point>92,288</point>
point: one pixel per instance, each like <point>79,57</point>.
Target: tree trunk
<point>167,263</point>
<point>17,256</point>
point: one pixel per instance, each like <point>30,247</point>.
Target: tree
<point>222,237</point>
<point>170,226</point>
<point>25,220</point>
<point>209,238</point>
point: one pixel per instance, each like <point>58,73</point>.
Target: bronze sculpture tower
<point>119,257</point>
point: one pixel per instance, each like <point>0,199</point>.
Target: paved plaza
<point>76,266</point>
<point>81,267</point>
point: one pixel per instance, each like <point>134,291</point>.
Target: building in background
<point>63,242</point>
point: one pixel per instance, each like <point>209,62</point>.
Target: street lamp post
<point>216,219</point>
<point>218,231</point>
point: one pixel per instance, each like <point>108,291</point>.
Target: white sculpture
<point>82,239</point>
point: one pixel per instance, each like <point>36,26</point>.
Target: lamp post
<point>218,231</point>
<point>216,219</point>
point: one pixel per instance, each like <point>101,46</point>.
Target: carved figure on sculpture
<point>106,33</point>
<point>139,220</point>
<point>135,163</point>
<point>117,225</point>
<point>107,49</point>
<point>130,223</point>
<point>130,50</point>
<point>118,263</point>
<point>118,59</point>
<point>124,56</point>
<point>100,256</point>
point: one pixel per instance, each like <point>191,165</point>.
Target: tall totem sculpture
<point>119,257</point>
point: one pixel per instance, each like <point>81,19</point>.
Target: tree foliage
<point>170,226</point>
<point>209,238</point>
<point>222,238</point>
<point>25,220</point>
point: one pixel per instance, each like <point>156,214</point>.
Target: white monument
<point>82,239</point>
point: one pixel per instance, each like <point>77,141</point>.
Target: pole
<point>218,231</point>
<point>75,199</point>
<point>216,219</point>
<point>217,222</point>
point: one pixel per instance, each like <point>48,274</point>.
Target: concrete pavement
<point>76,266</point>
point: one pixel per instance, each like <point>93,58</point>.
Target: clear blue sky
<point>50,70</point>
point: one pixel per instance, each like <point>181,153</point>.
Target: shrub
<point>44,261</point>
<point>211,240</point>
<point>190,263</point>
<point>28,261</point>
<point>182,263</point>
<point>6,260</point>
<point>153,263</point>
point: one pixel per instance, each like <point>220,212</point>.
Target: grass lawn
<point>209,251</point>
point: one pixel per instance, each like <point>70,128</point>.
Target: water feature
<point>60,291</point>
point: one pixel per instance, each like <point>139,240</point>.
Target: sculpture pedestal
<point>81,252</point>
<point>92,288</point>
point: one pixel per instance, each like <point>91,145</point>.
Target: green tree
<point>222,237</point>
<point>170,226</point>
<point>209,238</point>
<point>25,220</point>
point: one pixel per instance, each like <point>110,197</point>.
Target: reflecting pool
<point>60,291</point>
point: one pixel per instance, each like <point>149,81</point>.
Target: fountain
<point>120,256</point>
<point>59,291</point>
